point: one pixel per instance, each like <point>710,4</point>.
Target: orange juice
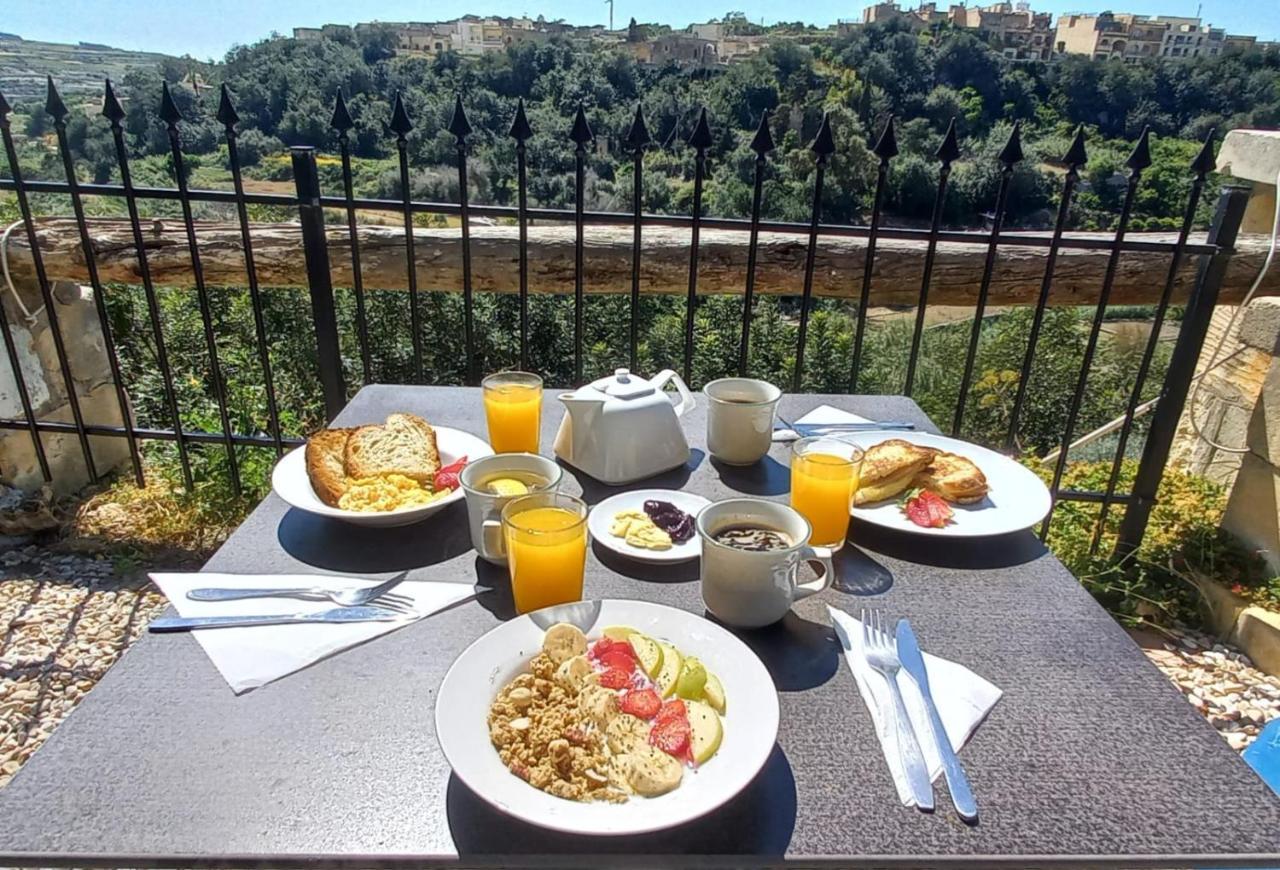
<point>822,487</point>
<point>514,413</point>
<point>546,551</point>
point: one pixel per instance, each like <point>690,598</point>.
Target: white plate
<point>601,518</point>
<point>750,721</point>
<point>290,482</point>
<point>1016,500</point>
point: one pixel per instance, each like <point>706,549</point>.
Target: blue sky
<point>208,29</point>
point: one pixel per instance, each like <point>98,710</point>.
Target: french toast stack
<point>892,467</point>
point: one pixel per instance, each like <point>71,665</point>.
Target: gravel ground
<point>65,618</point>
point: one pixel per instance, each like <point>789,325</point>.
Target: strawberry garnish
<point>642,703</point>
<point>447,477</point>
<point>926,509</point>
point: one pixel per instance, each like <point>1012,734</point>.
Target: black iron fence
<point>310,203</point>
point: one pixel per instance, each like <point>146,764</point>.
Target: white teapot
<point>624,428</point>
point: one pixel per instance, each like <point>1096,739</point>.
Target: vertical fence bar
<point>1182,368</point>
<point>11,350</point>
<point>520,131</point>
<point>762,144</point>
<point>170,114</point>
<point>700,140</point>
<point>1138,161</point>
<point>580,134</point>
<point>227,117</point>
<point>342,123</point>
<point>461,129</point>
<point>947,152</point>
<point>1010,155</point>
<point>306,179</point>
<point>99,294</point>
<point>114,113</point>
<point>638,139</point>
<point>823,147</point>
<point>401,125</point>
<point>886,148</point>
<point>1201,166</point>
<point>1075,157</point>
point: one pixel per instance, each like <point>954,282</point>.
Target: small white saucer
<point>601,518</point>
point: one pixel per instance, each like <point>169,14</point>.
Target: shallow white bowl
<point>750,720</point>
<point>290,482</point>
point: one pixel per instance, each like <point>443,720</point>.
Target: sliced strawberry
<point>671,736</point>
<point>617,659</point>
<point>447,477</point>
<point>642,703</point>
<point>615,678</point>
<point>600,647</point>
<point>672,710</point>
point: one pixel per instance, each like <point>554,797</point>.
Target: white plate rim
<point>290,474</point>
<point>1035,493</point>
<point>749,687</point>
<point>690,549</point>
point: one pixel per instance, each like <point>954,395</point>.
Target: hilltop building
<point>1019,33</point>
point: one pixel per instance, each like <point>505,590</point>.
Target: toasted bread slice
<point>405,444</point>
<point>955,478</point>
<point>325,464</point>
<point>888,469</point>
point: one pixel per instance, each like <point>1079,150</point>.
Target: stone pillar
<point>91,374</point>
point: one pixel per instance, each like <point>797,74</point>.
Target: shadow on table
<point>595,491</point>
<point>858,573</point>
<point>338,546</point>
<point>649,572</point>
<point>799,654</point>
<point>999,551</point>
<point>766,477</point>
<point>759,821</point>
<point>495,583</point>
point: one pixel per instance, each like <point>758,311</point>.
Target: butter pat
<point>639,531</point>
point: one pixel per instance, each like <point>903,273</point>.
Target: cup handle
<point>822,556</point>
<point>494,541</point>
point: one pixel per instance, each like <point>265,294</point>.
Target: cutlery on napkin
<point>826,415</point>
<point>249,657</point>
<point>962,697</point>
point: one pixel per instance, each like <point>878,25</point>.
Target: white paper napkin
<point>819,415</point>
<point>962,697</point>
<point>255,655</point>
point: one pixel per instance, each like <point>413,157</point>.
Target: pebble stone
<point>1221,683</point>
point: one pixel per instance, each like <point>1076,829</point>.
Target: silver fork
<point>358,596</point>
<point>881,652</point>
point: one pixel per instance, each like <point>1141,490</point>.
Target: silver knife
<point>957,782</point>
<point>337,614</point>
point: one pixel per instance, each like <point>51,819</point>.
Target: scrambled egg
<point>387,493</point>
<point>639,531</point>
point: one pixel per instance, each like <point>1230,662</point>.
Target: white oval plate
<point>750,720</point>
<point>290,482</point>
<point>1016,500</point>
<point>601,517</point>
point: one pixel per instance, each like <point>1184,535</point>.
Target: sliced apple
<point>693,676</point>
<point>706,731</point>
<point>649,653</point>
<point>618,632</point>
<point>670,672</point>
<point>713,692</point>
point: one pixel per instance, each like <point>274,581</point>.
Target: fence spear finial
<point>1140,159</point>
<point>1012,151</point>
<point>226,109</point>
<point>341,120</point>
<point>111,108</point>
<point>949,150</point>
<point>638,135</point>
<point>886,147</point>
<point>824,144</point>
<point>701,138</point>
<point>520,129</point>
<point>1205,162</point>
<point>169,112</point>
<point>459,126</point>
<point>581,130</point>
<point>762,141</point>
<point>1076,155</point>
<point>53,102</point>
<point>400,123</point>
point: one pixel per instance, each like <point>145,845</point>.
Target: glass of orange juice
<point>546,538</point>
<point>824,476</point>
<point>513,408</point>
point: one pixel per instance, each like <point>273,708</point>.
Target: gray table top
<point>1091,756</point>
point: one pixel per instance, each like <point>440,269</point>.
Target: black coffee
<point>754,538</point>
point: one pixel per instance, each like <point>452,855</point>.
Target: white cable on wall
<point>1226,333</point>
<point>8,282</point>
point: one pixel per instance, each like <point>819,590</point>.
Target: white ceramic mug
<point>751,588</point>
<point>484,508</point>
<point>740,414</point>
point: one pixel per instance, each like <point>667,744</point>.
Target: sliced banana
<point>625,732</point>
<point>564,641</point>
<point>652,772</point>
<point>598,703</point>
<point>573,674</point>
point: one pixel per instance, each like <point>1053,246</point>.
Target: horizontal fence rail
<point>802,259</point>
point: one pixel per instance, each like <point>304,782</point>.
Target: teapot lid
<point>623,385</point>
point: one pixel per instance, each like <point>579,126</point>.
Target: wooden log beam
<point>722,262</point>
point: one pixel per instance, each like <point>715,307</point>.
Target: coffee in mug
<point>740,416</point>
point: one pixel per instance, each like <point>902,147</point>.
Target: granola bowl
<point>716,679</point>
